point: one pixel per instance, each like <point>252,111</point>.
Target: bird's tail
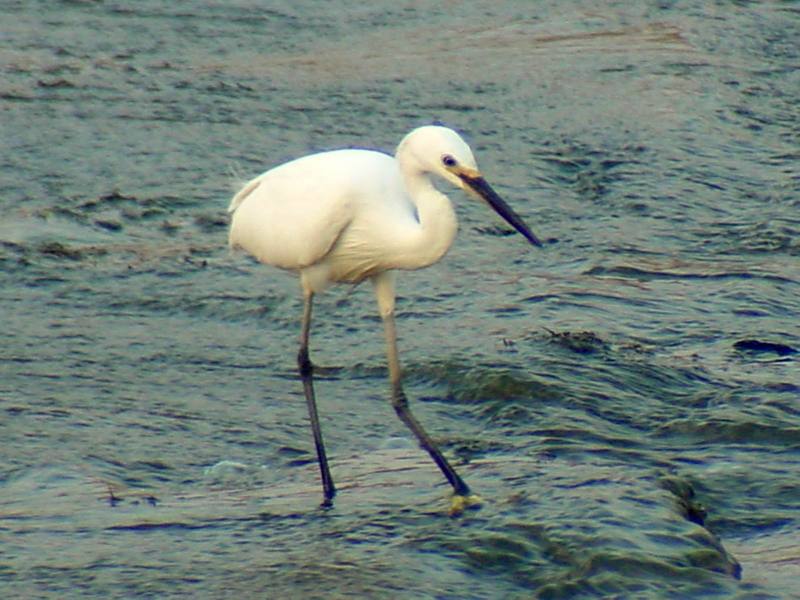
<point>243,193</point>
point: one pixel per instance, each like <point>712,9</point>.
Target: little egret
<point>350,215</point>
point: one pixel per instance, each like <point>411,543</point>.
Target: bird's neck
<point>437,222</point>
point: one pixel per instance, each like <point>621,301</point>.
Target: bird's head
<point>441,151</point>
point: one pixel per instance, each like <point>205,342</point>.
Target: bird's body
<point>352,215</point>
<point>351,218</point>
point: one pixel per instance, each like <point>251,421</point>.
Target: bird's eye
<point>449,161</point>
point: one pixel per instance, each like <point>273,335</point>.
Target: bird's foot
<point>459,503</point>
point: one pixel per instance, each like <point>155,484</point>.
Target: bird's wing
<point>291,216</point>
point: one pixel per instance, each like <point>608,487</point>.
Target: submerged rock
<point>762,347</point>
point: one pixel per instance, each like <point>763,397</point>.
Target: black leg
<point>463,497</point>
<point>307,376</point>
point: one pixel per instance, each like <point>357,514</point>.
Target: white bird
<point>349,215</point>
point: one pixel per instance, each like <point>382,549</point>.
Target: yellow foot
<point>459,503</point>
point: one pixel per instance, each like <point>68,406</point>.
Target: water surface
<point>626,400</point>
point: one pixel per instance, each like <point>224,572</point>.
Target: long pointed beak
<point>484,190</point>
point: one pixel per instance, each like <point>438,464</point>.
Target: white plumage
<point>352,213</point>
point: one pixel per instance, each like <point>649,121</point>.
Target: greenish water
<point>625,400</point>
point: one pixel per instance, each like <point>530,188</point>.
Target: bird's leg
<point>462,497</point>
<point>306,370</point>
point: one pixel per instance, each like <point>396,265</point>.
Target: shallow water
<point>625,400</point>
